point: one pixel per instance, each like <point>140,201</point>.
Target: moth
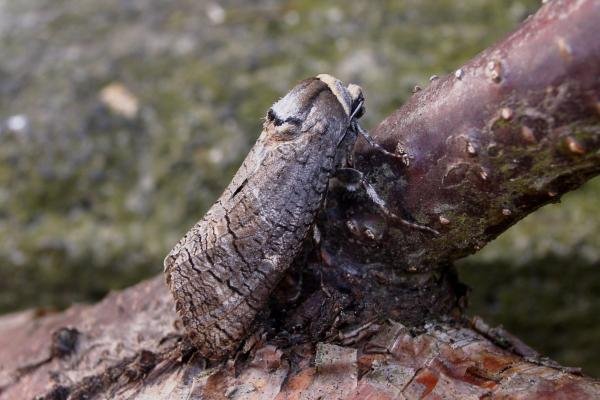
<point>222,272</point>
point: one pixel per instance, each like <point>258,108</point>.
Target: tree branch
<point>510,131</point>
<point>127,346</point>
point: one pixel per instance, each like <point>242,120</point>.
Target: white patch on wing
<point>286,106</point>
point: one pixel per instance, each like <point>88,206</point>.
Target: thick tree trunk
<point>128,346</point>
<point>512,130</point>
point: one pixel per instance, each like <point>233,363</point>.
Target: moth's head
<point>315,102</point>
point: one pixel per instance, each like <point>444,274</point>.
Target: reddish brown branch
<point>126,347</point>
<point>512,130</point>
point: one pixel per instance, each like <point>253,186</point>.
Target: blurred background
<point>122,120</point>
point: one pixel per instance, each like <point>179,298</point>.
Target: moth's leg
<point>351,179</point>
<point>374,144</point>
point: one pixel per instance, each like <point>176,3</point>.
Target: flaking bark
<point>127,346</point>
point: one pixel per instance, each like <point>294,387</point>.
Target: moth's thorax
<point>322,105</point>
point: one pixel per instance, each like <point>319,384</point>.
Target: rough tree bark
<point>513,129</point>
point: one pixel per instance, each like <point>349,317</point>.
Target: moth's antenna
<point>356,109</point>
<point>352,119</point>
